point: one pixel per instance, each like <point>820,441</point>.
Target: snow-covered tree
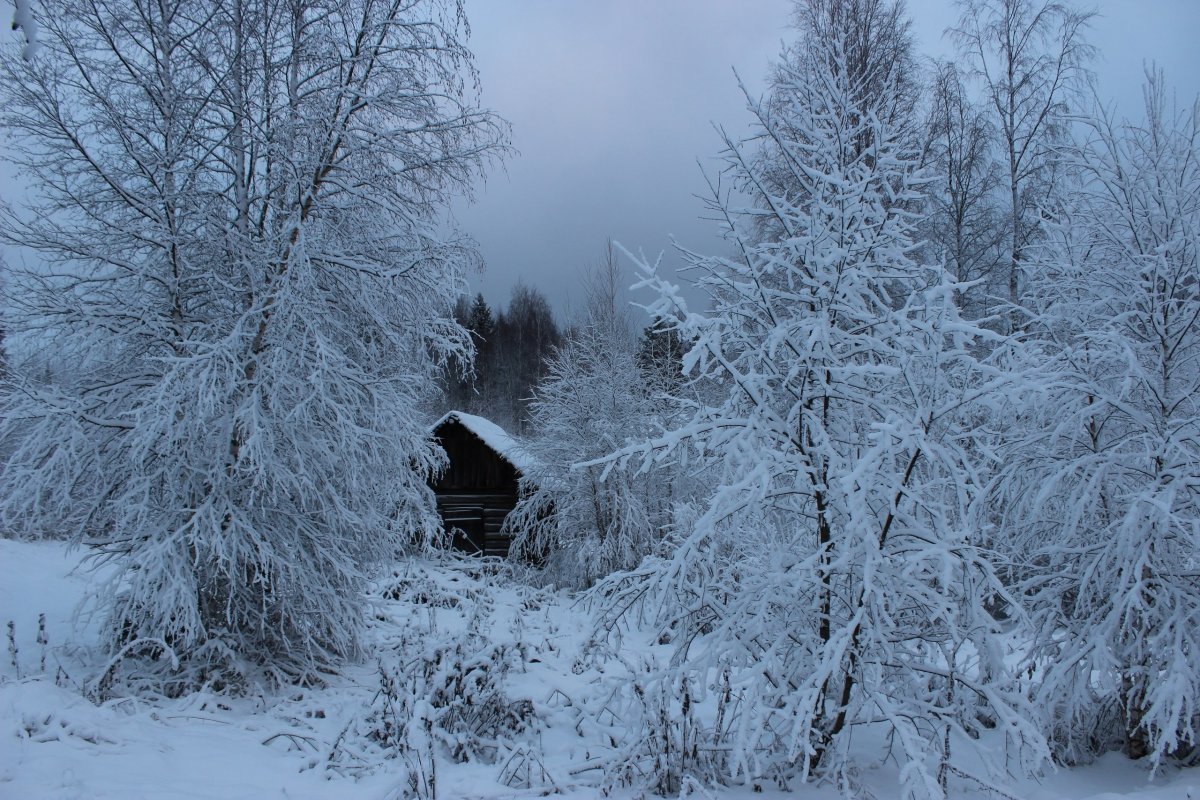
<point>965,222</point>
<point>1030,55</point>
<point>877,56</point>
<point>583,521</point>
<point>1103,493</point>
<point>3,325</point>
<point>237,209</point>
<point>832,575</point>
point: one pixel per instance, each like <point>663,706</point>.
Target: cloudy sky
<point>612,104</point>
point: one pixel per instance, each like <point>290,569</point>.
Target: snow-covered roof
<point>494,437</point>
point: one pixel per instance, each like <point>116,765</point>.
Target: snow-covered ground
<point>527,703</point>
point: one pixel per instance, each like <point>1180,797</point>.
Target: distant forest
<point>513,348</point>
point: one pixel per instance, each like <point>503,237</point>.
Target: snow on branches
<point>833,572</point>
<point>1102,491</point>
<point>580,519</point>
<point>242,297</point>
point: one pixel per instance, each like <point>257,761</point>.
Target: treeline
<point>514,348</point>
<point>511,348</point>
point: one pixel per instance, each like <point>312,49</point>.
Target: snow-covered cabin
<point>478,488</point>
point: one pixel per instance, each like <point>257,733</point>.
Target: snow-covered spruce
<point>242,291</point>
<point>833,574</point>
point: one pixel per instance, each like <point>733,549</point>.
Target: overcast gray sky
<point>612,104</point>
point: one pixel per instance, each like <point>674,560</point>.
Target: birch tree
<point>1030,55</point>
<point>965,225</point>
<point>832,575</point>
<point>236,209</point>
<point>1104,491</point>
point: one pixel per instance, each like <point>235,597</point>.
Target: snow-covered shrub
<point>525,769</point>
<point>444,687</point>
<point>446,703</point>
<point>579,520</point>
<point>468,712</point>
<point>42,660</point>
<point>659,739</point>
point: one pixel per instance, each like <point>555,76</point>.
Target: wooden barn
<point>479,487</point>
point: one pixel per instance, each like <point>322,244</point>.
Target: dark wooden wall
<point>475,492</point>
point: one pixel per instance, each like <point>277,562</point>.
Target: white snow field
<point>521,702</point>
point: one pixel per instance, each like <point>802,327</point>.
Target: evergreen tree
<point>660,353</point>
